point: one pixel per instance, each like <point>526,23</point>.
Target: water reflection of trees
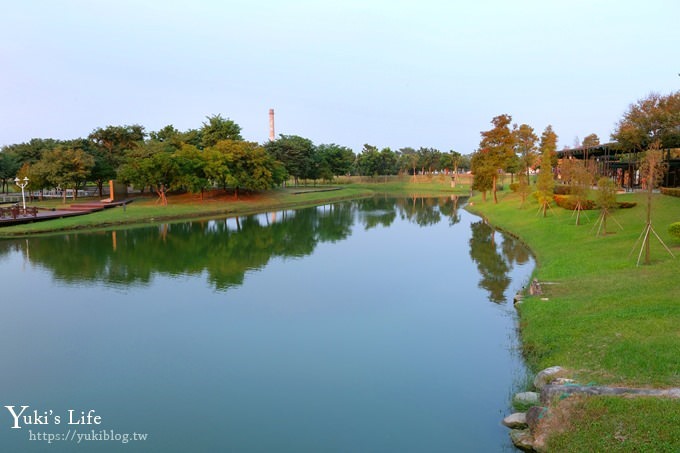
<point>423,211</point>
<point>493,266</point>
<point>223,249</point>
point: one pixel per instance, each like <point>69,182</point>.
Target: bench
<point>16,211</point>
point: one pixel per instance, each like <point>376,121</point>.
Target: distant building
<point>623,166</point>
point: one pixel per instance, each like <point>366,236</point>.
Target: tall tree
<point>590,141</point>
<point>449,162</point>
<point>525,146</point>
<point>498,143</point>
<point>484,171</point>
<point>103,169</point>
<point>243,165</point>
<point>428,159</point>
<point>408,160</point>
<point>651,119</point>
<point>545,182</point>
<point>67,168</point>
<point>114,141</point>
<point>295,153</point>
<point>652,169</point>
<point>582,180</point>
<point>368,161</point>
<point>217,129</point>
<point>387,162</point>
<point>338,159</point>
<point>192,164</point>
<point>32,151</point>
<point>605,198</point>
<point>526,149</point>
<point>9,166</point>
<point>169,135</point>
<point>513,166</point>
<point>193,137</point>
<point>152,165</point>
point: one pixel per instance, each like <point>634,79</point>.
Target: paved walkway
<point>6,218</point>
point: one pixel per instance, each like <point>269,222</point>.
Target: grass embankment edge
<point>145,210</point>
<point>605,319</point>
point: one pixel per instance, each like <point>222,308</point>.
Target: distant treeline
<point>213,156</point>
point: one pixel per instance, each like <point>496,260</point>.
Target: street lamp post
<point>22,183</point>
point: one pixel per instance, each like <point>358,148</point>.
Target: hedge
<point>569,202</point>
<point>672,191</point>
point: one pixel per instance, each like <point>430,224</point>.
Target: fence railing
<point>10,198</point>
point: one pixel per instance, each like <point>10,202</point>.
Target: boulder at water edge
<point>518,420</point>
<point>547,376</point>
<point>525,399</point>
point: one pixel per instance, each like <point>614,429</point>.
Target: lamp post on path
<point>22,183</point>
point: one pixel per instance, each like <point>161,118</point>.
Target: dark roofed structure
<point>622,165</point>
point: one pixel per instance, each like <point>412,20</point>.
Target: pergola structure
<point>623,165</point>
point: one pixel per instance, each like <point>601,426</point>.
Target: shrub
<point>626,204</point>
<point>514,186</point>
<point>562,189</point>
<point>569,202</point>
<point>672,191</point>
<point>674,230</point>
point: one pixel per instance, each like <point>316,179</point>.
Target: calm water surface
<point>379,325</point>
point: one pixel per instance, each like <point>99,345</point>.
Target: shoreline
<point>145,211</point>
<point>604,322</point>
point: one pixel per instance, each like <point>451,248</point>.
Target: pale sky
<point>389,73</point>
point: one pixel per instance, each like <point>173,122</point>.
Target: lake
<point>378,325</point>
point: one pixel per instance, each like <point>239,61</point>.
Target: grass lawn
<point>612,424</point>
<point>606,319</point>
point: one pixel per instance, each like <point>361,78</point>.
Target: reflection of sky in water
<point>381,341</point>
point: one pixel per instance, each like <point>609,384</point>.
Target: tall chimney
<point>271,125</point>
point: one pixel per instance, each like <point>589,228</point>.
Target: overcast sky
<point>388,73</point>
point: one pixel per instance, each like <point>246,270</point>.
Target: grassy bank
<point>605,319</point>
<point>219,204</point>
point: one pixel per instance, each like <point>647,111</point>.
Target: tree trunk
<point>161,195</point>
<point>528,177</point>
<point>495,197</point>
<point>650,184</point>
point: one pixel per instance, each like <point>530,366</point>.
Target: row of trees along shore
<point>215,155</point>
<point>515,150</point>
<point>196,160</point>
<point>648,125</point>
